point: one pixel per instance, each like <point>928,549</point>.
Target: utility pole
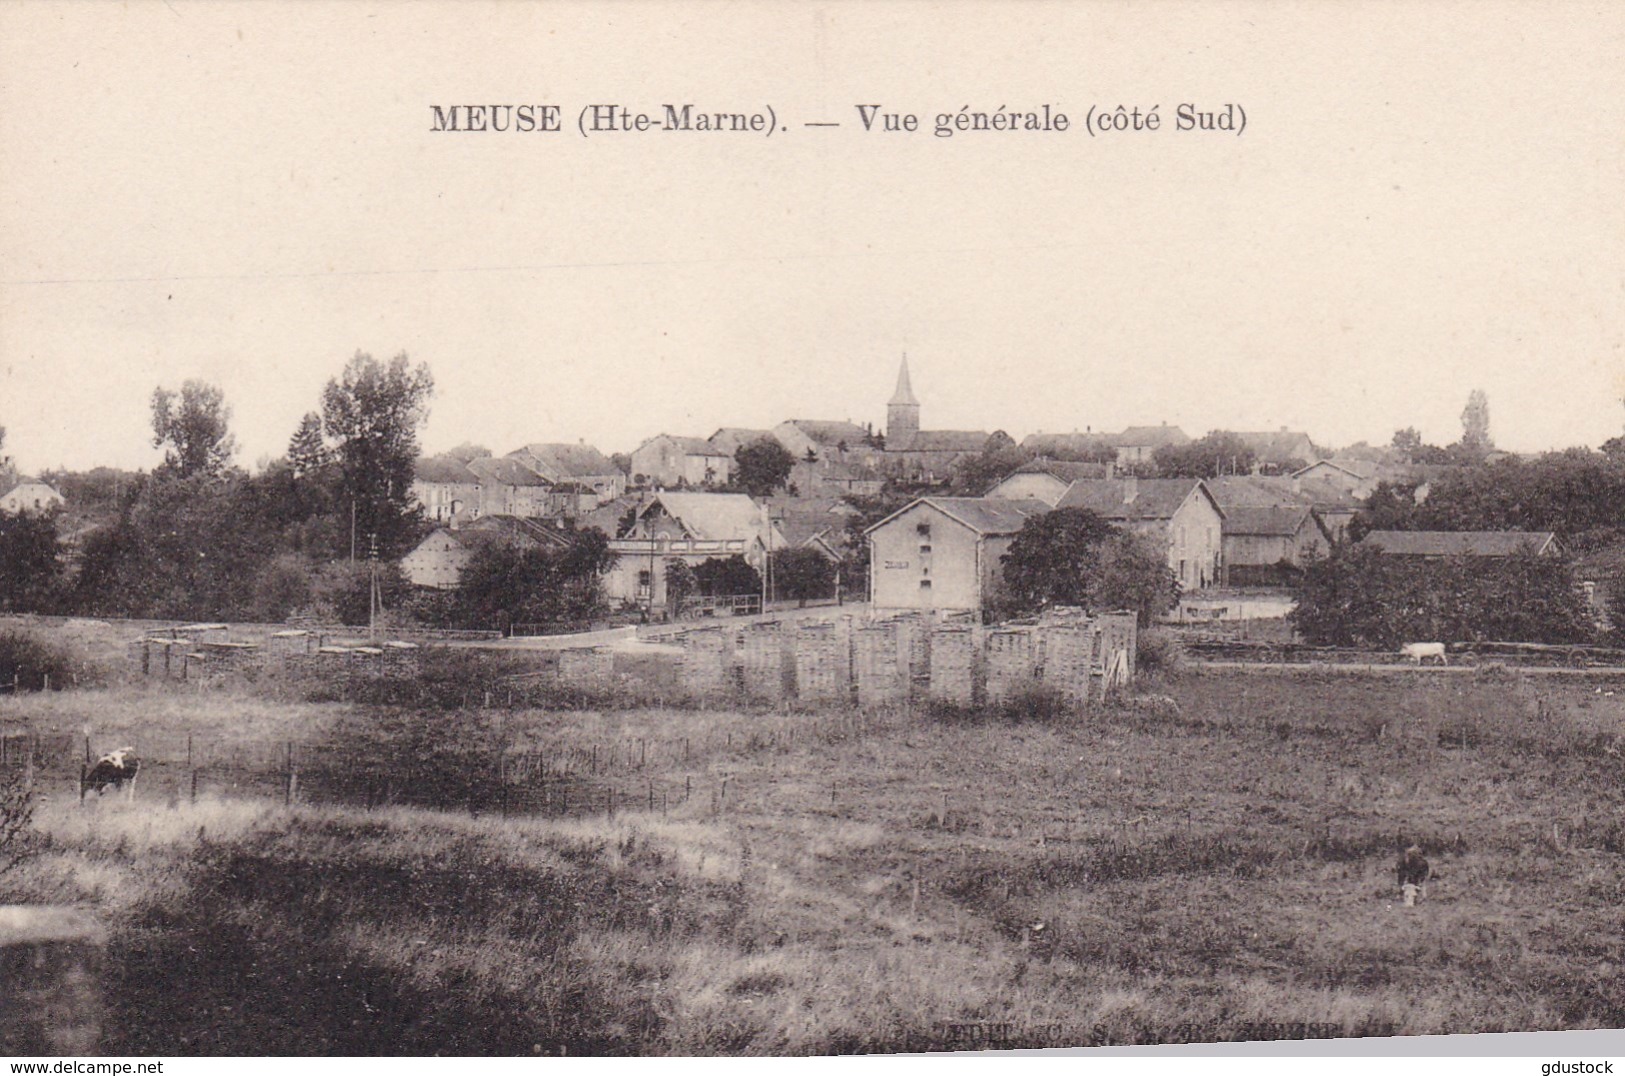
<point>352,531</point>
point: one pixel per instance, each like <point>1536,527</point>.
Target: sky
<point>1428,198</point>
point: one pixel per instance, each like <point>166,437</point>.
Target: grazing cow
<point>113,770</point>
<point>1417,652</point>
<point>1414,872</point>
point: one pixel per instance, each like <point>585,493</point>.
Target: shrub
<point>1158,653</point>
<point>31,663</point>
<point>18,840</point>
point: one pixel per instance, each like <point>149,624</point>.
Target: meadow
<point>1212,860</point>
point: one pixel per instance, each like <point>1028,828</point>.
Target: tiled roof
<point>506,471</point>
<point>825,432</point>
<point>1129,499</point>
<point>560,461</point>
<point>1275,521</point>
<point>692,446</point>
<point>941,441</point>
<point>718,516</point>
<point>1065,470</point>
<point>730,438</point>
<point>984,515</point>
<point>443,470</point>
<point>1149,437</point>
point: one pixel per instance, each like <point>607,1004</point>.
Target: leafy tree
<point>721,577</point>
<point>1219,452</point>
<point>1073,557</point>
<point>467,452</point>
<point>802,574</point>
<point>680,582</point>
<point>1407,443</point>
<point>506,583</point>
<point>373,410</point>
<point>762,466</point>
<point>1475,424</point>
<point>29,569</point>
<point>1358,596</point>
<point>975,475</point>
<point>193,429</point>
<point>307,450</point>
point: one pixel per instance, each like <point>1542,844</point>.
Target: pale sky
<point>1428,199</point>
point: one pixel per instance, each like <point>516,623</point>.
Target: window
<point>925,549</point>
<point>923,530</point>
<point>925,584</point>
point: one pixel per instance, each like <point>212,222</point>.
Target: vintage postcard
<point>583,528</point>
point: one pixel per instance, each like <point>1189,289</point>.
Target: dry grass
<point>1220,868</point>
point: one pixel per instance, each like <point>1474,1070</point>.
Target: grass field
<point>1214,863</point>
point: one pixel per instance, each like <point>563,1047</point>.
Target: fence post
<point>292,778</point>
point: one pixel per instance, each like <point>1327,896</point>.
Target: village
<point>901,518</point>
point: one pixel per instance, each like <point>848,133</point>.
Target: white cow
<point>1418,652</point>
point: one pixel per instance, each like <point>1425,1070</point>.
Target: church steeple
<point>903,412</point>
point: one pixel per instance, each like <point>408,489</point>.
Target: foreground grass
<point>1215,868</point>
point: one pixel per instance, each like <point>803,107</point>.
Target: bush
<point>1158,653</point>
<point>32,664</point>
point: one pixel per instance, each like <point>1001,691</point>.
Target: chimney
<point>1131,488</point>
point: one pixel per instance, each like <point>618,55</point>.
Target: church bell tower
<point>903,412</point>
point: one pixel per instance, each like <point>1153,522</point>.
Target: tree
<point>726,577</point>
<point>373,410</point>
<point>1359,596</point>
<point>29,569</point>
<point>1475,424</point>
<point>1073,557</point>
<point>505,583</point>
<point>467,452</point>
<point>193,429</point>
<point>680,583</point>
<point>1407,443</point>
<point>1220,452</point>
<point>802,574</point>
<point>307,450</point>
<point>762,466</point>
<point>973,476</point>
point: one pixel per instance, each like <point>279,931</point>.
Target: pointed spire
<point>904,396</point>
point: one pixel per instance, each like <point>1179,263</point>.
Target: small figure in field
<point>1419,652</point>
<point>1414,873</point>
<point>113,770</point>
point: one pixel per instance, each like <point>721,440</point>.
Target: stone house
<point>439,559</point>
<point>580,464</point>
<point>446,488</point>
<point>670,462</point>
<point>693,528</point>
<point>31,496</point>
<point>943,552</point>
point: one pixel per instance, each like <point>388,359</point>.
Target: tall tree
<point>193,429</point>
<point>307,451</point>
<point>1220,452</point>
<point>1475,423</point>
<point>762,466</point>
<point>1073,557</point>
<point>29,569</point>
<point>373,410</point>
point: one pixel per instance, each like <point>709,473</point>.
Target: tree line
<point>201,538</point>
